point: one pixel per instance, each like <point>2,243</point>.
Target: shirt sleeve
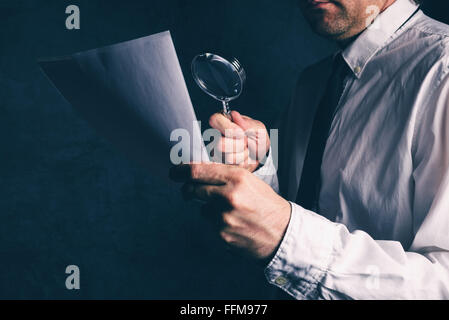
<point>268,172</point>
<point>319,259</point>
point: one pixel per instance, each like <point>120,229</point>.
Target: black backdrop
<point>67,197</point>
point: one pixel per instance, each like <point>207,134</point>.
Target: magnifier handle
<point>226,110</point>
<point>227,115</point>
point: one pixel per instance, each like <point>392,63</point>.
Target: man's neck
<point>344,43</point>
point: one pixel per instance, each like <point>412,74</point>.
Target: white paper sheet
<point>133,93</point>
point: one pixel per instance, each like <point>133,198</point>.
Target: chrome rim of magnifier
<point>236,65</point>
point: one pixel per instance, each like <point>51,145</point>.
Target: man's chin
<point>326,23</point>
<point>326,31</point>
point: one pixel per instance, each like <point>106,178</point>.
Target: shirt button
<point>281,280</point>
<point>357,69</point>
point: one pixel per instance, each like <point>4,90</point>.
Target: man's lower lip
<point>317,4</point>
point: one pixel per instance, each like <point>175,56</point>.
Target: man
<point>372,222</point>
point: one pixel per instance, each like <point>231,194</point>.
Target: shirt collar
<point>370,41</point>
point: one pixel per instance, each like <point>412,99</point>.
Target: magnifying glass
<point>220,78</point>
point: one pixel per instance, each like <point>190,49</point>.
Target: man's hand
<point>250,215</point>
<point>244,142</point>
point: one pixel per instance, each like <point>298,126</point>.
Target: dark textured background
<point>67,197</point>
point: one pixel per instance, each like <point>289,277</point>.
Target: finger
<point>234,239</point>
<point>225,126</point>
<point>241,121</point>
<point>256,133</point>
<point>207,173</point>
<point>259,147</point>
<point>202,192</point>
<point>230,158</point>
<point>236,158</point>
<point>247,162</point>
<point>229,145</point>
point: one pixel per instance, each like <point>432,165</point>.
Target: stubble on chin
<point>334,22</point>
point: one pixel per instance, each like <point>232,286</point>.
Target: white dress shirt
<point>385,170</point>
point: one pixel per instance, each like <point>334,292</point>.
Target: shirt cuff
<point>305,253</point>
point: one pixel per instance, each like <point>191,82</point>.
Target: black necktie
<point>310,184</point>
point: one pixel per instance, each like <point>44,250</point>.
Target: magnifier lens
<point>218,77</point>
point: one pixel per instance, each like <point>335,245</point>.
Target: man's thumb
<point>239,120</point>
